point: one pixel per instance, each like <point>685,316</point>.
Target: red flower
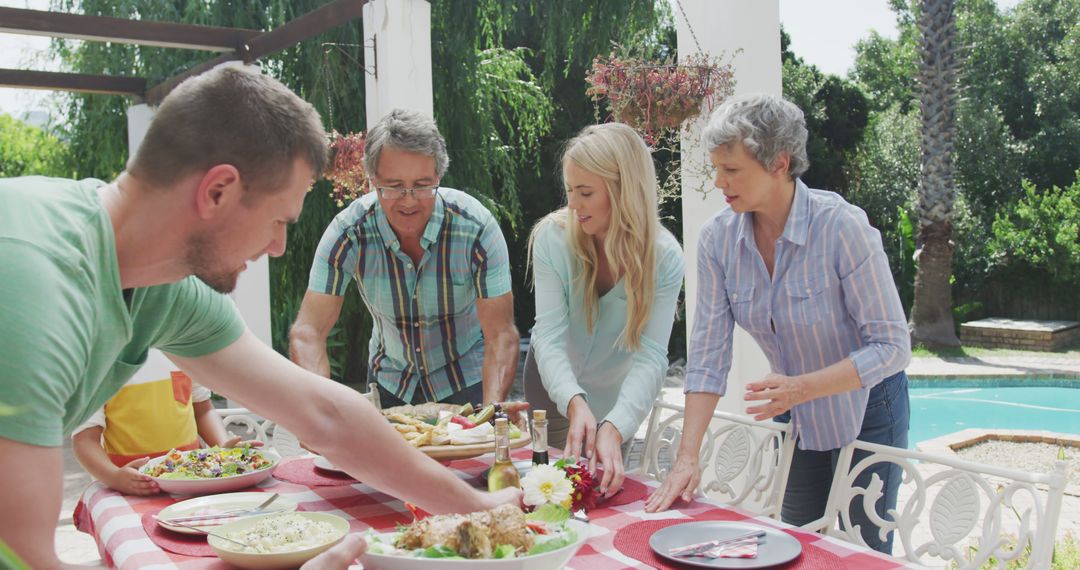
<point>585,485</point>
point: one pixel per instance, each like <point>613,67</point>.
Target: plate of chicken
<point>503,538</point>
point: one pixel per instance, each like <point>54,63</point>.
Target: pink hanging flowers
<point>346,169</point>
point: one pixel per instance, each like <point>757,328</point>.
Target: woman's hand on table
<point>778,394</point>
<point>582,429</point>
<point>681,483</point>
<point>129,481</point>
<point>609,452</point>
<point>341,556</point>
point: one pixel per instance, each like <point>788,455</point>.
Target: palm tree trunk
<point>931,312</point>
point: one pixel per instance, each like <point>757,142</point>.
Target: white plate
<point>554,559</point>
<point>778,547</point>
<point>217,503</point>
<point>324,464</point>
<point>280,560</point>
<point>216,485</point>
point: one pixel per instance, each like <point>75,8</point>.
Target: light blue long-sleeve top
<point>831,297</point>
<point>619,385</point>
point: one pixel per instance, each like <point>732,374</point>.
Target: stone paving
<point>78,548</point>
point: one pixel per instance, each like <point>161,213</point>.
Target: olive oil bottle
<point>539,438</point>
<point>503,473</point>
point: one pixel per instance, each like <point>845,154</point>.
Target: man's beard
<point>200,257</point>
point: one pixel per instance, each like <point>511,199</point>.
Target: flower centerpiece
<point>658,96</point>
<point>566,484</point>
<point>346,167</point>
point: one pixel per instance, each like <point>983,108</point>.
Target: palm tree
<point>931,313</point>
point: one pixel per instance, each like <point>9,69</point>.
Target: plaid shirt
<point>426,334</point>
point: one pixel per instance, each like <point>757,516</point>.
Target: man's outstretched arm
<point>339,422</point>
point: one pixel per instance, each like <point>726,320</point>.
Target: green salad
<point>211,463</point>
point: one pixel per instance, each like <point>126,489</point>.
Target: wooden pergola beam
<point>78,82</point>
<point>309,25</point>
<point>119,30</point>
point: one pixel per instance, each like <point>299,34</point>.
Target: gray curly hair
<point>766,125</point>
<point>406,130</point>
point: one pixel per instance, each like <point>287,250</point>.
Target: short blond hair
<point>231,115</point>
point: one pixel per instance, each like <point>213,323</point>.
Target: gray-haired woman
<point>805,274</point>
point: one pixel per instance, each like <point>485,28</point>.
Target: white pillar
<point>397,51</point>
<point>749,31</point>
<point>138,123</point>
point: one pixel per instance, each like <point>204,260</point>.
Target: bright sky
<point>823,33</point>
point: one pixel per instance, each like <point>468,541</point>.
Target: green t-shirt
<point>68,337</point>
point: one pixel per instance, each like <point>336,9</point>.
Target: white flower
<point>546,484</point>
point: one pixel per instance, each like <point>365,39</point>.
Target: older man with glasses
<point>431,265</point>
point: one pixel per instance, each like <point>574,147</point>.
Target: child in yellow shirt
<point>148,417</point>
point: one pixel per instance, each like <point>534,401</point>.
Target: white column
<point>749,31</point>
<point>397,51</point>
<point>138,123</point>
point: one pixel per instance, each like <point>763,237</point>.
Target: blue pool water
<point>944,409</point>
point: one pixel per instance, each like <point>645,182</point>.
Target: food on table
<point>283,533</point>
<point>475,535</point>
<point>449,424</point>
<point>502,532</point>
<point>211,463</point>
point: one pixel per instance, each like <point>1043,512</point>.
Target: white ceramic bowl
<point>229,552</point>
<point>215,485</point>
<point>545,561</point>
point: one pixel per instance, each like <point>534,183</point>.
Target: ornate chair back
<point>956,511</point>
<point>744,462</point>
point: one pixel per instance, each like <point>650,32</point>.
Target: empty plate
<point>324,464</point>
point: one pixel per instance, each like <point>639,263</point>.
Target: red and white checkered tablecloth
<point>115,522</point>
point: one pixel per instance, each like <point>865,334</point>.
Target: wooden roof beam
<point>121,30</point>
<point>79,82</point>
<point>309,25</point>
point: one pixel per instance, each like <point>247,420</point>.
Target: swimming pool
<point>942,407</point>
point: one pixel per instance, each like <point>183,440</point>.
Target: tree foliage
<point>1018,118</point>
<point>836,113</point>
<point>27,150</point>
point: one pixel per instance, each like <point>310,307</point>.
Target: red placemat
<point>302,471</point>
<point>186,544</point>
<point>633,541</point>
<point>632,491</point>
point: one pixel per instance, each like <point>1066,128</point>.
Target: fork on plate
<point>178,521</point>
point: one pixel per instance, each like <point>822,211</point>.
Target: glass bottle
<point>503,473</point>
<point>539,438</point>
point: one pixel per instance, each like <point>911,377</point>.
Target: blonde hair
<point>618,155</point>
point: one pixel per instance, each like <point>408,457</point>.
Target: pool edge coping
<point>947,445</point>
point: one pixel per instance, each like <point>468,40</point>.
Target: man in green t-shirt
<point>95,274</point>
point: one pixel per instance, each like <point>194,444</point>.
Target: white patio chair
<point>744,462</point>
<point>282,440</point>
<point>973,511</point>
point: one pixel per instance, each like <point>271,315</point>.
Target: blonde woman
<point>607,277</point>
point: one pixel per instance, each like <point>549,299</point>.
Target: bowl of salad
<point>503,538</point>
<point>211,470</point>
<point>280,540</point>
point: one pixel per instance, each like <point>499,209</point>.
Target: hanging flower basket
<point>655,97</point>
<point>346,168</point>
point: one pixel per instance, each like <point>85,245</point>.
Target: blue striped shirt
<point>426,334</point>
<point>831,297</point>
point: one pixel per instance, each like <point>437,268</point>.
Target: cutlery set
<point>720,547</point>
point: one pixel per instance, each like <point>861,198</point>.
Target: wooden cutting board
<point>454,452</point>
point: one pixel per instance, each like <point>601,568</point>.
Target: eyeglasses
<point>420,192</point>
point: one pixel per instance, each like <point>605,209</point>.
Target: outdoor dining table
<point>127,537</point>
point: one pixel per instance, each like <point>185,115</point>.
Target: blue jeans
<point>886,422</point>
